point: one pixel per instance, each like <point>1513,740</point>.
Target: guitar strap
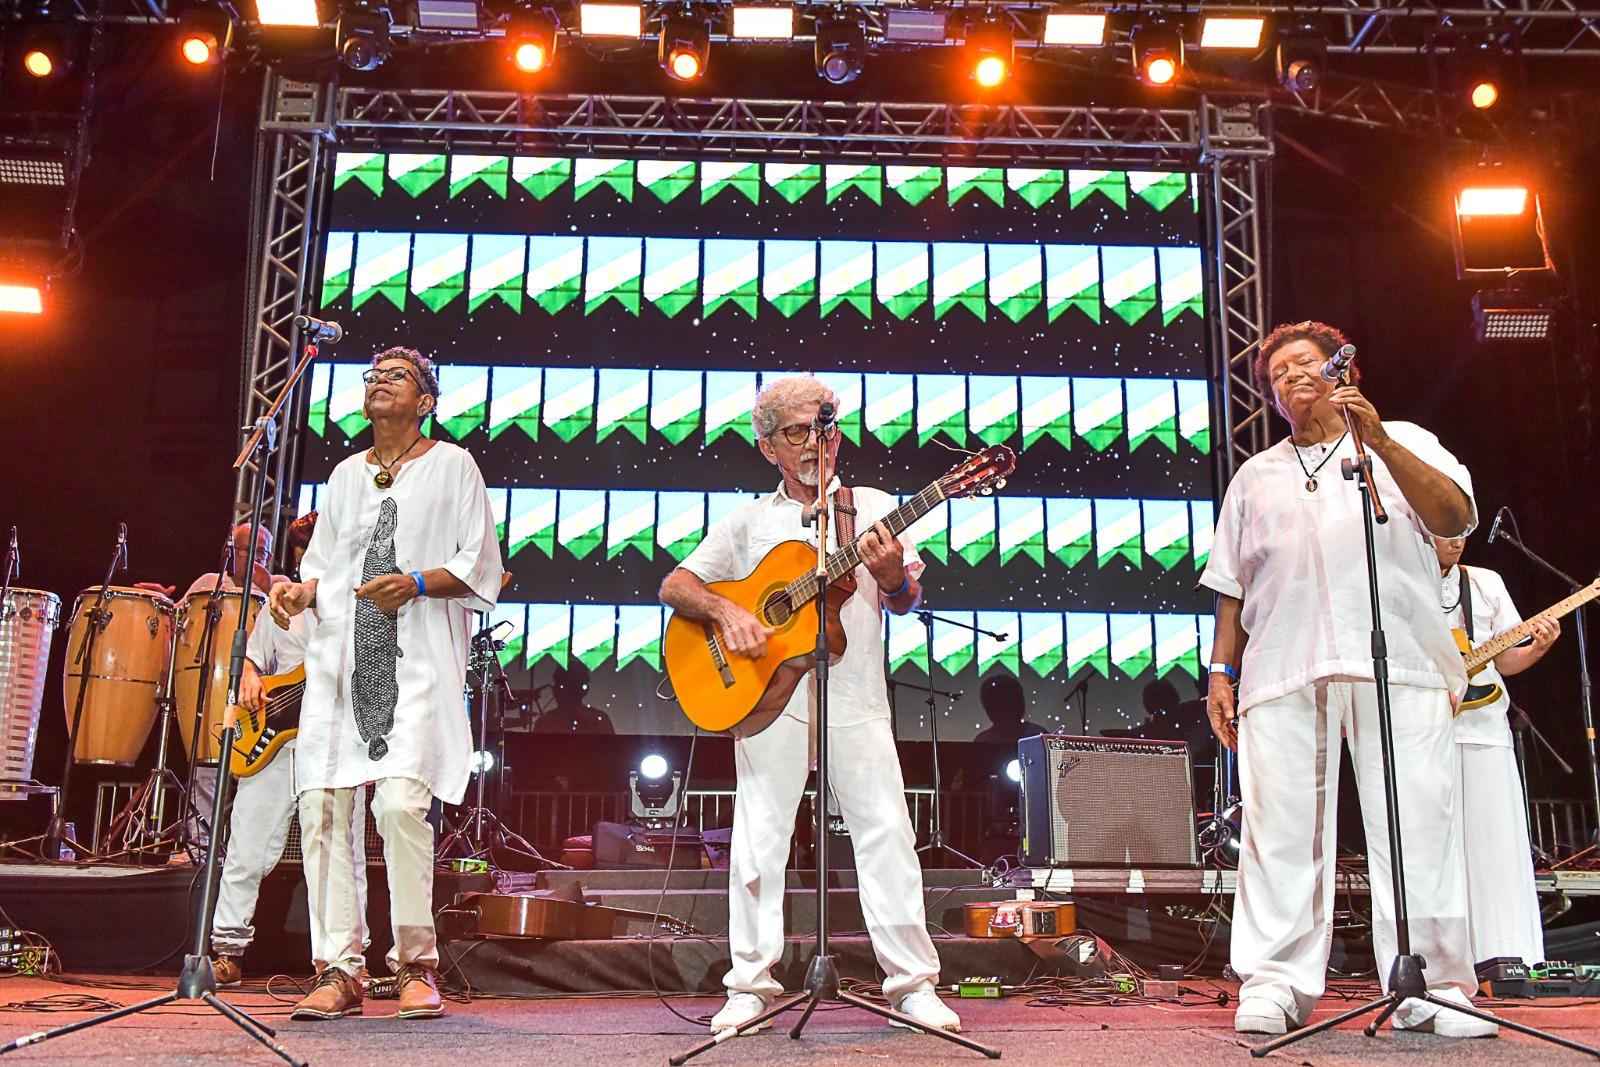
<point>844,517</point>
<point>1466,602</point>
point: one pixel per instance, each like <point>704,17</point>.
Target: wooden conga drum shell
<point>125,675</point>
<point>191,674</point>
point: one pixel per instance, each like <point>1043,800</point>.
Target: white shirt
<point>275,650</point>
<point>442,519</point>
<point>1492,613</point>
<point>732,548</point>
<point>1297,560</point>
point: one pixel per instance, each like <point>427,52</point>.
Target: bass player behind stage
<point>773,764</point>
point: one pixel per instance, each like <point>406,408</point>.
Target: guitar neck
<point>1499,643</point>
<point>845,559</point>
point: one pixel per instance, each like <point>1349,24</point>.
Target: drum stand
<point>139,828</point>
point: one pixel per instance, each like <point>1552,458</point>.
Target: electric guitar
<point>262,733</point>
<point>720,691</point>
<point>1479,695</point>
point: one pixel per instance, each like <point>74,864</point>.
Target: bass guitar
<point>720,691</point>
<point>263,733</point>
<point>1479,695</point>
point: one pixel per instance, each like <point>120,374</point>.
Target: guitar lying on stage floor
<point>1479,695</point>
<point>262,733</point>
<point>720,691</point>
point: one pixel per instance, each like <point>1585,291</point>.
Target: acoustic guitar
<point>723,692</point>
<point>262,734</point>
<point>1479,695</point>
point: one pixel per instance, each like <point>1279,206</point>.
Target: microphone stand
<point>936,842</point>
<point>1520,728</point>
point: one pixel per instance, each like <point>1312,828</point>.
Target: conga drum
<point>28,621</point>
<point>125,675</point>
<point>200,669</point>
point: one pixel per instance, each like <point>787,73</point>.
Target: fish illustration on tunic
<point>374,687</point>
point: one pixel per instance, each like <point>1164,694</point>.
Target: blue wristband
<point>1225,668</point>
<point>905,586</point>
<point>422,587</point>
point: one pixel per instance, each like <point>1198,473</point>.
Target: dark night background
<point>122,401</point>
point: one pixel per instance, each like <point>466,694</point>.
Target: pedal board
<point>1507,976</point>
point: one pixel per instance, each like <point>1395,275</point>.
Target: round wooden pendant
<point>1311,485</point>
<point>383,479</point>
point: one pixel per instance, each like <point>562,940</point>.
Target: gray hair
<point>427,378</point>
<point>779,396</point>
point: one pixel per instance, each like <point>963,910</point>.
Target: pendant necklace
<point>383,479</point>
<point>1311,475</point>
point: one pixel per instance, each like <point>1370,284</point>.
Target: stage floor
<point>614,1031</point>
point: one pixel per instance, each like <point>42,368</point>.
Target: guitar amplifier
<point>1105,802</point>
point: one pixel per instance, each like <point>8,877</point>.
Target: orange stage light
<point>1160,70</point>
<point>1485,94</point>
<point>530,57</point>
<point>685,65</point>
<point>990,71</point>
<point>22,299</point>
<point>198,48</point>
<point>38,63</point>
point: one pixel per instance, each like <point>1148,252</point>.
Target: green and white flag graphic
<point>666,179</point>
<point>382,262</point>
<point>1132,642</point>
<point>942,406</point>
<point>676,400</point>
<point>890,402</point>
<point>1088,643</point>
<point>569,400</point>
<point>1006,654</point>
<point>840,178</point>
<point>416,173</point>
<point>594,633</point>
<point>1111,184</point>
<point>792,180</point>
<point>364,167</point>
<point>549,634</point>
<point>1130,281</point>
<point>1152,412</point>
<point>1180,283</point>
<point>902,276</point>
<point>720,505</point>
<point>958,278</point>
<point>639,628</point>
<point>972,528</point>
<point>1068,528</point>
<point>1207,625</point>
<point>492,171</point>
<point>719,175</point>
<point>581,520</point>
<point>1177,645</point>
<point>532,521</point>
<point>1117,530</point>
<point>498,269</point>
<point>913,184</point>
<point>788,274</point>
<point>463,399</point>
<point>680,522</point>
<point>307,499</point>
<point>346,398</point>
<point>317,411</point>
<point>931,533</point>
<point>1036,185</point>
<point>989,181</point>
<point>1072,280</point>
<point>1016,279</point>
<point>1166,531</point>
<point>338,260</point>
<point>439,268</point>
<point>732,274</point>
<point>555,270</point>
<point>1043,641</point>
<point>845,276</point>
<point>847,387</point>
<point>516,638</point>
<point>622,403</point>
<point>613,273</point>
<point>1097,411</point>
<point>953,646</point>
<point>590,173</point>
<point>515,397</point>
<point>541,175</point>
<point>992,407</point>
<point>730,396</point>
<point>1021,528</point>
<point>907,644</point>
<point>1158,188</point>
<point>1194,413</point>
<point>671,273</point>
<point>632,523</point>
<point>1203,521</point>
<point>1046,409</point>
<point>500,509</point>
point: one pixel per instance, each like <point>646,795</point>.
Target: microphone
<point>827,418</point>
<point>122,544</point>
<point>318,329</point>
<point>1338,363</point>
<point>1494,527</point>
<point>16,554</point>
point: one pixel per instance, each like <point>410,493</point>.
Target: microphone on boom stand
<point>319,330</point>
<point>1494,527</point>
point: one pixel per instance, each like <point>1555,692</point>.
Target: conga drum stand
<point>139,828</point>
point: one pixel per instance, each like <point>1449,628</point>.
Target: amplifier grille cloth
<point>1121,808</point>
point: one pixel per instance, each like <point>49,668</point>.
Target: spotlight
<point>1014,770</point>
<point>1300,58</point>
<point>1157,52</point>
<point>1484,95</point>
<point>1483,74</point>
<point>1512,315</point>
<point>531,40</point>
<point>763,23</point>
<point>1499,226</point>
<point>47,50</point>
<point>205,35</point>
<point>654,767</point>
<point>685,48</point>
<point>362,34</point>
<point>480,762</point>
<point>611,20</point>
<point>39,63</point>
<point>990,50</point>
<point>1231,32</point>
<point>655,791</point>
<point>20,299</point>
<point>840,50</point>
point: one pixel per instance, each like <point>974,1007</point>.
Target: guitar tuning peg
<point>1000,484</point>
<point>987,490</point>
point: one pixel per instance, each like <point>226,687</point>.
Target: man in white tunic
<point>1492,817</point>
<point>772,765</point>
<point>405,550</point>
<point>1293,630</point>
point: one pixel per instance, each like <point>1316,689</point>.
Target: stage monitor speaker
<point>1104,802</point>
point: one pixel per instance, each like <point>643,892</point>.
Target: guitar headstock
<point>979,474</point>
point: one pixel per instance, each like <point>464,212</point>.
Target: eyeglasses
<point>387,374</point>
<point>796,433</point>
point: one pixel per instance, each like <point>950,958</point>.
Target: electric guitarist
<point>1491,812</point>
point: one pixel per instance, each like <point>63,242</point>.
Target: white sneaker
<point>925,1006</point>
<point>1258,1015</point>
<point>1447,1023</point>
<point>740,1009</point>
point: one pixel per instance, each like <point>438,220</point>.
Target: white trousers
<point>258,828</point>
<point>1289,775</point>
<point>1492,819</point>
<point>864,769</point>
<point>400,807</point>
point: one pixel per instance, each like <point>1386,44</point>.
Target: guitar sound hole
<point>777,609</point>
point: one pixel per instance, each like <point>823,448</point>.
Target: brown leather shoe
<point>228,971</point>
<point>334,995</point>
<point>419,992</point>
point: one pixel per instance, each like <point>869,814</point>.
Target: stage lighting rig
<point>991,50</point>
<point>362,35</point>
<point>1157,51</point>
<point>1301,57</point>
<point>1483,75</point>
<point>46,46</point>
<point>684,51</point>
<point>531,39</point>
<point>655,791</point>
<point>1075,29</point>
<point>1232,32</point>
<point>205,34</point>
<point>840,49</point>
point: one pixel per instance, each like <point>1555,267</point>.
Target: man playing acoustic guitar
<point>772,764</point>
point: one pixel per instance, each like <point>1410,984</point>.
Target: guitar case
<point>632,845</point>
